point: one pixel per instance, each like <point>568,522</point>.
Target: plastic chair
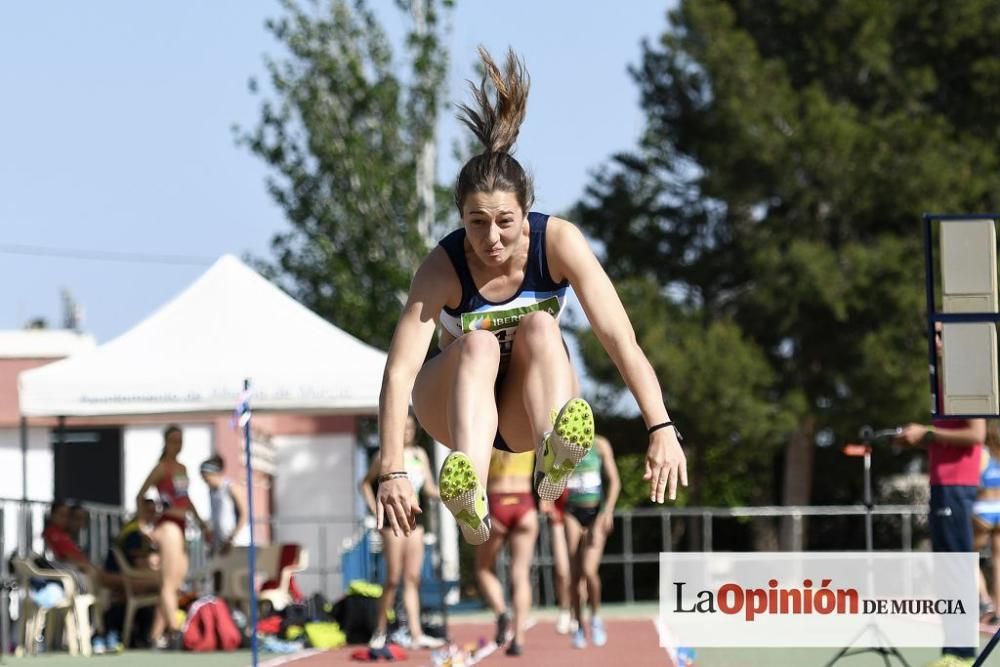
<point>234,576</point>
<point>280,596</point>
<point>74,606</point>
<point>134,601</point>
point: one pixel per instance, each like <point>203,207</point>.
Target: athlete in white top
<point>229,508</point>
<point>404,553</point>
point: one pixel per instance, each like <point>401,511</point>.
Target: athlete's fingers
<point>661,483</point>
<point>379,513</point>
<point>390,514</point>
<point>403,513</point>
<point>649,471</point>
<point>672,477</point>
<point>683,469</point>
<point>413,511</point>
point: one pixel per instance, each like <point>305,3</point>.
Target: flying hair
<point>496,125</point>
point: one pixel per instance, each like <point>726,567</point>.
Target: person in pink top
<point>954,448</point>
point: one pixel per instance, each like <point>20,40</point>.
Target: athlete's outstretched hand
<point>666,465</point>
<point>396,504</point>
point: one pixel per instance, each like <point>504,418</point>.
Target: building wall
<point>314,495</point>
<point>39,480</point>
<point>39,464</point>
<point>10,412</point>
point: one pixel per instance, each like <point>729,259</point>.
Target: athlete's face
<point>173,443</point>
<point>212,479</point>
<point>493,223</point>
<point>410,434</point>
<point>60,516</point>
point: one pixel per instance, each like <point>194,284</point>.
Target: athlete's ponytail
<point>496,126</point>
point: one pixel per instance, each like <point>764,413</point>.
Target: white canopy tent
<point>193,353</point>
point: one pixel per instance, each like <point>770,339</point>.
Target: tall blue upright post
<point>244,409</point>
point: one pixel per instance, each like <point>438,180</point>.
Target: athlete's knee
<point>480,346</point>
<point>538,327</point>
<point>411,580</point>
<point>521,572</point>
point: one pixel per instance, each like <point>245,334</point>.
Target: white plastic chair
<point>74,606</point>
<point>280,597</point>
<point>134,601</point>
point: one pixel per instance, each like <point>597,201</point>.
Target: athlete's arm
<point>365,485</point>
<point>430,488</point>
<point>614,485</point>
<point>238,493</point>
<point>428,294</point>
<point>570,256</point>
<point>155,475</point>
<point>972,434</point>
<point>206,532</point>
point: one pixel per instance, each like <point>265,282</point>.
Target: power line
<point>104,255</point>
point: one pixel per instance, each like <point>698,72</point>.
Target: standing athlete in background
<point>590,518</point>
<point>404,554</point>
<point>170,478</point>
<point>515,522</point>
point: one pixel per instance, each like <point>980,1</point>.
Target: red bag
<point>210,627</point>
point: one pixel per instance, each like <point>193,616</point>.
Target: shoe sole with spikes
<point>562,450</point>
<point>465,497</point>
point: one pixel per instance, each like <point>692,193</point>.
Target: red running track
<point>631,643</point>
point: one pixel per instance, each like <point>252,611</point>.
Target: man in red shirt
<point>954,456</point>
<point>60,543</point>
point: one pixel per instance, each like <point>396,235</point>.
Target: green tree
<point>789,151</point>
<point>345,136</point>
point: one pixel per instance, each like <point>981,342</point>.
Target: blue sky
<point>115,132</point>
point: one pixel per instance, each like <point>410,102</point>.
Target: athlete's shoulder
<point>562,229</point>
<point>435,276</point>
<point>567,248</point>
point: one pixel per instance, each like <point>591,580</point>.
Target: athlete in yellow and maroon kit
<point>515,522</point>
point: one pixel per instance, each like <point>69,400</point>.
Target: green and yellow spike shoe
<point>561,450</point>
<point>465,497</point>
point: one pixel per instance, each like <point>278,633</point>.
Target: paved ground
<point>632,642</point>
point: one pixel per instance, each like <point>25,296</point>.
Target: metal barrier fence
<point>640,535</point>
<point>22,522</point>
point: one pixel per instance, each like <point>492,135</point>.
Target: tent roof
<point>193,354</point>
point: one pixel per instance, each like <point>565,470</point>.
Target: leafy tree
<point>344,135</point>
<point>720,388</point>
<point>789,151</point>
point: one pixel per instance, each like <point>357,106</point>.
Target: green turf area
<point>805,657</point>
<point>141,659</point>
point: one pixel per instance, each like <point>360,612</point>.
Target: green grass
<point>805,657</point>
<point>140,659</point>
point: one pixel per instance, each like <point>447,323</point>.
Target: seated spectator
<point>79,525</point>
<point>135,540</point>
<point>135,543</point>
<point>66,552</point>
<point>61,544</point>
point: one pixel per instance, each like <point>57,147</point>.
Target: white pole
<point>449,533</point>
